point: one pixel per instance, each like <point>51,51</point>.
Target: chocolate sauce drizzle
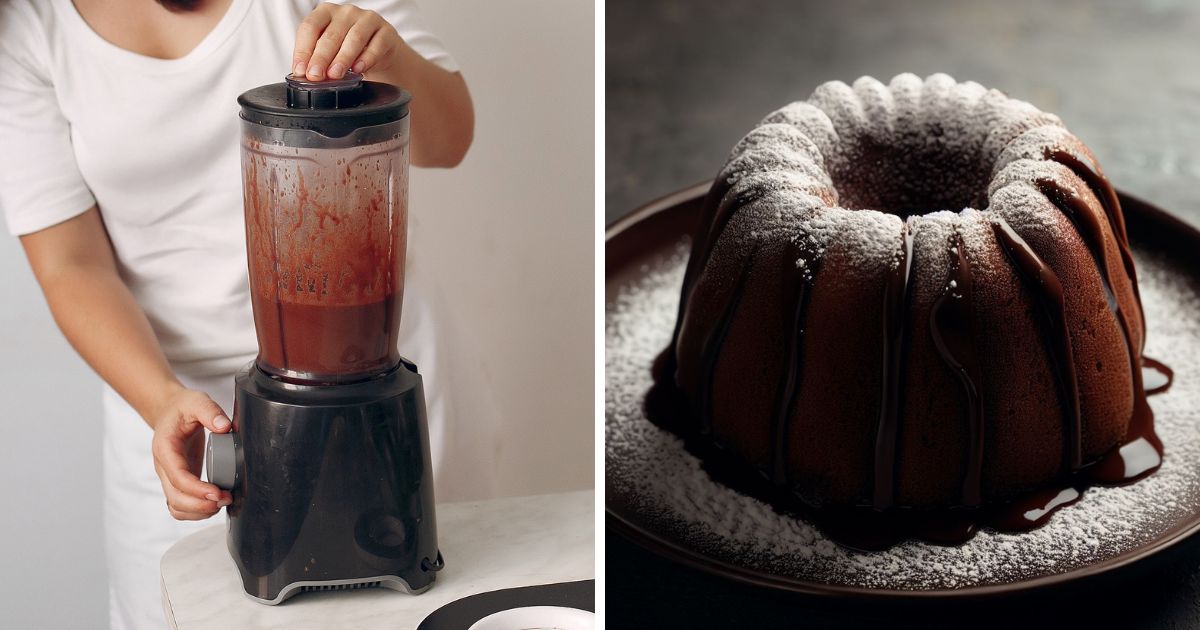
<point>1141,451</point>
<point>895,310</point>
<point>1160,379</point>
<point>715,341</point>
<point>1089,228</point>
<point>797,287</point>
<point>950,328</point>
<point>714,218</point>
<point>1086,170</point>
<point>1048,293</point>
<point>715,214</point>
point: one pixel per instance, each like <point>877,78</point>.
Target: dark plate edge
<point>1153,224</point>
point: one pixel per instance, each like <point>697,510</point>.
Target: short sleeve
<point>406,16</point>
<point>40,183</point>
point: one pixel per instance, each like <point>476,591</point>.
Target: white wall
<point>509,238</point>
<point>50,536</point>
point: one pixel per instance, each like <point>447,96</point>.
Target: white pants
<point>137,527</point>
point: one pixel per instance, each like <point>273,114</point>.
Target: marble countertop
<point>488,545</point>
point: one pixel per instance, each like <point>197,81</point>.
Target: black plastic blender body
<point>328,461</point>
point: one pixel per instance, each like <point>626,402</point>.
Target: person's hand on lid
<point>335,38</point>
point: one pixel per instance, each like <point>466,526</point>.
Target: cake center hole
<point>912,174</point>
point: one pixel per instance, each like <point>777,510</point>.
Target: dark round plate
<point>635,244</point>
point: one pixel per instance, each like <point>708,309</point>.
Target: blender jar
<point>325,176</point>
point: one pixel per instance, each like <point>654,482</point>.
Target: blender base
<point>332,485</point>
<point>384,581</point>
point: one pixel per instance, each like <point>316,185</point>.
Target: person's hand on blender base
<point>178,449</point>
<point>335,38</point>
<point>75,267</point>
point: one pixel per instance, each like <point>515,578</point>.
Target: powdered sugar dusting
<point>826,168</point>
<point>652,474</point>
<point>912,144</point>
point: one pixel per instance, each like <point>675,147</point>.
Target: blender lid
<point>332,108</point>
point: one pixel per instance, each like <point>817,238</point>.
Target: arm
<point>73,262</point>
<point>335,38</point>
<point>443,118</point>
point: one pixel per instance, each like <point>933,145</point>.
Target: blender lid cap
<point>332,108</point>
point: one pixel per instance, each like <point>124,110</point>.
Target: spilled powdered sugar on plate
<point>672,496</point>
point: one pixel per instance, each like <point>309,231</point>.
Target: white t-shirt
<point>155,144</point>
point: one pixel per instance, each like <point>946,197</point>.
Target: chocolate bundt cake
<point>913,295</point>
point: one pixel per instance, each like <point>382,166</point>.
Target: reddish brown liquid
<point>325,235</point>
<point>327,343</point>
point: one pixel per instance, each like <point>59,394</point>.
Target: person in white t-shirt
<point>119,171</point>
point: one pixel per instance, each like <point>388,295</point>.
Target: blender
<point>328,459</point>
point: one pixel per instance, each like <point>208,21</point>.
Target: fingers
<point>172,464</point>
<point>362,32</point>
<point>210,414</point>
<point>380,46</point>
<point>330,41</point>
<point>184,504</point>
<point>188,508</point>
<point>307,33</point>
<point>336,38</point>
<point>197,410</point>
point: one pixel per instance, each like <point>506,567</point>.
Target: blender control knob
<point>221,460</point>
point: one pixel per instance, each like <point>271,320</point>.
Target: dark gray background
<point>686,79</point>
